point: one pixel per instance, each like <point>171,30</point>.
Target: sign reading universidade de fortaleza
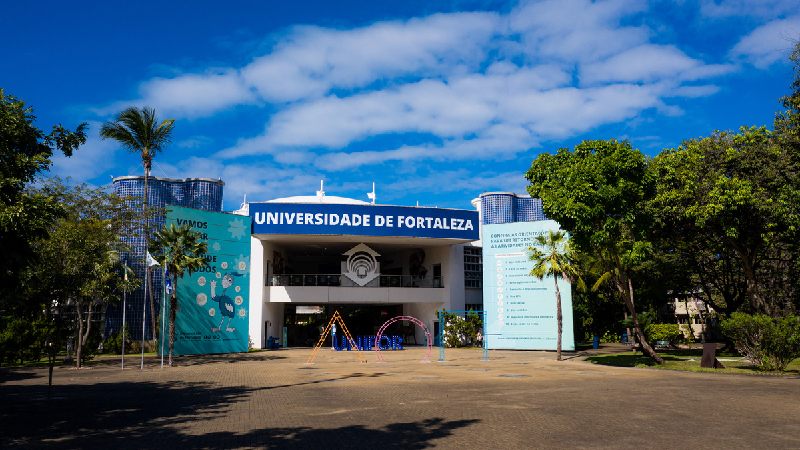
<point>363,220</point>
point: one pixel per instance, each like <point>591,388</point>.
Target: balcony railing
<point>341,280</point>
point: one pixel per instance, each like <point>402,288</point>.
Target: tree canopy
<point>78,266</point>
<point>727,204</point>
<point>138,131</point>
<point>25,153</point>
<point>598,194</point>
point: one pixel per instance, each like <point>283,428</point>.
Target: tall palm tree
<point>179,249</point>
<point>557,261</point>
<point>139,132</point>
<point>627,254</point>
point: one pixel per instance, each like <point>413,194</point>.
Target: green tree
<point>727,203</point>
<point>787,122</point>
<point>598,195</point>
<point>556,261</point>
<point>25,152</point>
<point>787,130</point>
<point>77,266</point>
<point>139,132</point>
<point>181,250</point>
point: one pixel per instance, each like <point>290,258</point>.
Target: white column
<point>256,308</point>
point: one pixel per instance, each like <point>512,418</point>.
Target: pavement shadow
<point>628,360</point>
<point>124,414</point>
<point>133,359</point>
<point>81,415</point>
<point>16,374</point>
<point>421,434</point>
<point>193,360</point>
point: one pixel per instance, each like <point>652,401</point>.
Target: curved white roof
<point>332,199</point>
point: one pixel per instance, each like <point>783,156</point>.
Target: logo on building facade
<point>362,265</point>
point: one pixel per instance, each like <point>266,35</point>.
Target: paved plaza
<point>272,399</point>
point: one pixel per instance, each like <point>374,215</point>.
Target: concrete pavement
<point>518,400</point>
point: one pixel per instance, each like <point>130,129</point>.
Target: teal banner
<point>213,302</point>
<point>521,309</point>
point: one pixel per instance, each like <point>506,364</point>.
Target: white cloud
<point>695,91</point>
<point>195,142</point>
<point>197,94</point>
<point>768,43</point>
<point>91,160</point>
<point>312,61</point>
<point>442,182</point>
<point>475,117</point>
<point>747,8</point>
<point>472,85</point>
<point>576,30</point>
<point>649,63</point>
<point>190,95</point>
<point>260,181</point>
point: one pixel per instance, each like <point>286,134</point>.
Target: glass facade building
<point>507,207</point>
<point>198,193</point>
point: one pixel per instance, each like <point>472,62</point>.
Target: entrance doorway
<point>305,323</point>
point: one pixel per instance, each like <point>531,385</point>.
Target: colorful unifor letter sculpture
<point>410,319</point>
<point>336,318</point>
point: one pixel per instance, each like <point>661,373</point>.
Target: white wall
<point>256,293</point>
<point>266,318</point>
<point>272,312</point>
<point>426,312</point>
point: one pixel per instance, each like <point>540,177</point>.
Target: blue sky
<point>433,101</point>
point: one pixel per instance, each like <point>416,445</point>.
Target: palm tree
<point>628,255</point>
<point>558,261</point>
<point>181,250</point>
<point>138,131</point>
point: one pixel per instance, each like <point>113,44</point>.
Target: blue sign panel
<point>521,309</point>
<point>363,220</point>
<point>213,302</point>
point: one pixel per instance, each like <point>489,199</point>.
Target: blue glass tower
<point>507,207</point>
<point>198,193</point>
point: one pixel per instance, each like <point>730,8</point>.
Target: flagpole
<point>144,306</point>
<point>124,296</point>
<point>163,311</point>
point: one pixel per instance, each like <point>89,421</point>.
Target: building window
<point>473,267</point>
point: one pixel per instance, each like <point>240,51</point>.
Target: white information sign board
<point>521,309</point>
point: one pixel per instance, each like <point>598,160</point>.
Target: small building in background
<point>696,318</point>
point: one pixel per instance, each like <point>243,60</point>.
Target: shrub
<point>644,318</point>
<point>769,343</point>
<point>113,344</point>
<point>610,337</point>
<point>670,332</point>
<point>18,341</point>
<point>459,331</point>
<point>94,344</point>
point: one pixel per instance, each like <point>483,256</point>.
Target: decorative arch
<point>410,319</point>
<point>336,318</point>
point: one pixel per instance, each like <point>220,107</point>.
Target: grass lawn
<point>689,360</point>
